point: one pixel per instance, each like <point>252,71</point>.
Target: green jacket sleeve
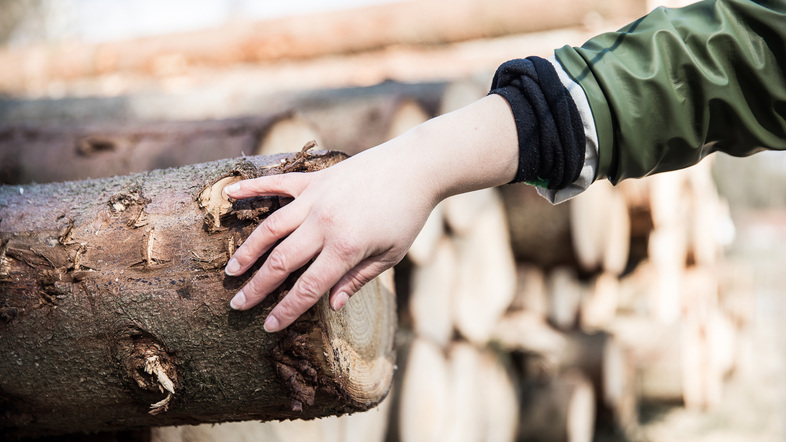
<point>678,84</point>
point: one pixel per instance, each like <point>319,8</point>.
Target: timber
<point>114,311</point>
<point>306,36</point>
<point>46,153</point>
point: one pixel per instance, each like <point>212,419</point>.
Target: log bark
<point>115,305</point>
<point>52,153</point>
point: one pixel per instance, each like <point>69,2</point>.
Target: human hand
<point>358,218</point>
<point>355,220</point>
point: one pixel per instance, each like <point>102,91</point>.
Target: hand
<point>358,218</point>
<point>355,219</point>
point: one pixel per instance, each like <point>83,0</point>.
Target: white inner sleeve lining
<point>588,171</point>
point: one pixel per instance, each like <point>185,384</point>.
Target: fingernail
<point>239,301</point>
<point>271,324</point>
<point>340,300</point>
<point>232,188</point>
<point>232,268</point>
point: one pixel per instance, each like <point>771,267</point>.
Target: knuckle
<point>271,225</point>
<point>277,261</point>
<point>252,290</point>
<point>309,289</point>
<point>327,217</point>
<point>356,282</point>
<point>245,255</point>
<point>291,308</point>
<point>347,248</point>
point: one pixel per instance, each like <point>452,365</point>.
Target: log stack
<point>518,320</point>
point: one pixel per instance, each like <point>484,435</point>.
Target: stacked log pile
<point>518,320</point>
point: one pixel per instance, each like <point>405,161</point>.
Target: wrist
<point>472,148</point>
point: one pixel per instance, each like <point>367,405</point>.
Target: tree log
<point>51,153</point>
<point>303,36</point>
<point>560,409</point>
<point>114,298</point>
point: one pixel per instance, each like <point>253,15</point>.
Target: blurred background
<point>657,317</point>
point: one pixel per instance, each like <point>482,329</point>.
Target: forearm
<point>468,149</point>
<point>677,85</point>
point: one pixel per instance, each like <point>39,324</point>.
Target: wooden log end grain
<point>114,311</point>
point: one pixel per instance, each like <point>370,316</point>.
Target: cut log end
<point>361,338</point>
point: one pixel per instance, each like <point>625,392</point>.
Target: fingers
<point>329,267</point>
<point>354,280</point>
<point>290,184</point>
<point>292,254</point>
<point>276,226</point>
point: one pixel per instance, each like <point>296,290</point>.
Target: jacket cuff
<point>551,135</point>
<point>589,170</point>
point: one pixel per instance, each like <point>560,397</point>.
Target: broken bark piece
<point>107,325</point>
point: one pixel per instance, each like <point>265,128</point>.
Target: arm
<point>359,217</point>
<point>678,84</point>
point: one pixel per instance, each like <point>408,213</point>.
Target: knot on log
<point>215,202</point>
<point>151,367</point>
<point>130,204</point>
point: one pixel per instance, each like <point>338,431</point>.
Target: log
<point>355,119</point>
<point>565,294</point>
<point>599,304</point>
<point>486,272</point>
<point>685,362</point>
<point>466,383</point>
<point>408,114</point>
<point>115,305</point>
<point>528,332</point>
<point>425,394</point>
<point>558,410</point>
<point>600,228</point>
<point>39,150</point>
<point>303,36</point>
<point>539,230</point>
<point>53,153</point>
<point>287,131</point>
<point>460,93</point>
<point>499,406</point>
<point>667,254</point>
<point>422,250</point>
<point>707,216</point>
<point>368,426</point>
<point>618,386</point>
<point>462,211</point>
<point>431,294</point>
<point>531,292</point>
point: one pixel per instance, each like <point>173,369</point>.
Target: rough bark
<point>114,310</point>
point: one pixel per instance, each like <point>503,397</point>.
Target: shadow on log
<point>114,310</point>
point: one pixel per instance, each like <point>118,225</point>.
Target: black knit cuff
<point>550,131</point>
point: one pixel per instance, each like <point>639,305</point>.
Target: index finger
<point>290,184</point>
